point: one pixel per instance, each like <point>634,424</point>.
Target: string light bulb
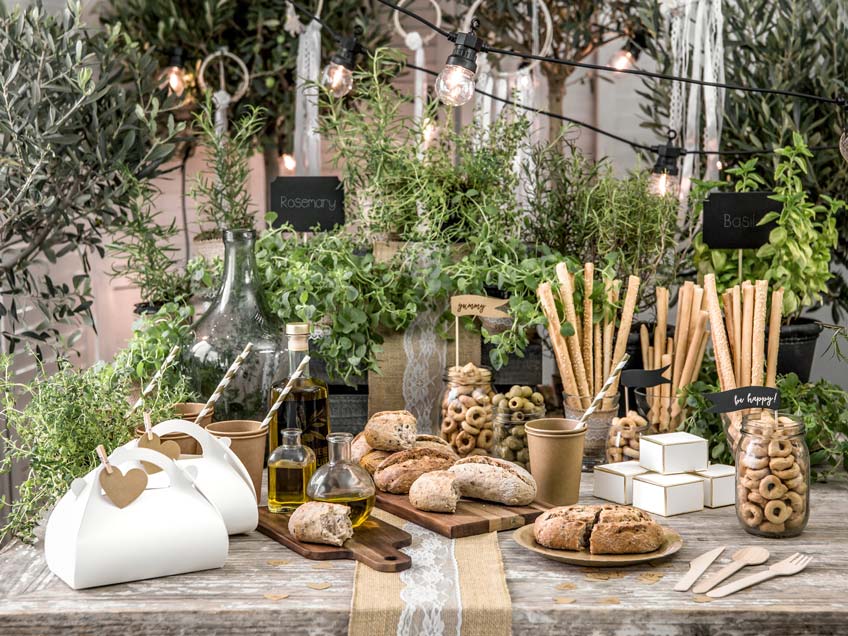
<point>455,84</point>
<point>174,74</point>
<point>288,164</point>
<point>665,177</point>
<point>337,77</point>
<point>625,58</point>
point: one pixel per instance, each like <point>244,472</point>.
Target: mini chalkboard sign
<point>473,305</point>
<point>644,378</point>
<point>308,202</point>
<point>731,219</point>
<point>746,397</point>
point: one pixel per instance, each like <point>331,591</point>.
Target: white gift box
<point>668,495</point>
<point>719,485</point>
<point>671,453</point>
<point>614,482</point>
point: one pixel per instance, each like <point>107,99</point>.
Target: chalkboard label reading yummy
<point>746,397</point>
<point>308,202</point>
<point>731,219</point>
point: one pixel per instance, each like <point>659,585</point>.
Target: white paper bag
<point>221,476</point>
<point>174,529</point>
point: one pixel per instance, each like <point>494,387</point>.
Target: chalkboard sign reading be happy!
<point>731,219</point>
<point>308,202</point>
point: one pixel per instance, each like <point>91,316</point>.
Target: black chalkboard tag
<point>746,397</point>
<point>643,379</point>
<point>308,202</point>
<point>731,219</point>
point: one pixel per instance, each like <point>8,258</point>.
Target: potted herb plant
<point>797,256</point>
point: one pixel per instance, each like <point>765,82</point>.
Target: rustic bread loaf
<point>626,537</point>
<point>359,448</point>
<point>321,522</point>
<point>391,430</point>
<point>435,491</point>
<point>397,472</point>
<point>371,460</point>
<point>565,527</point>
<point>433,441</point>
<point>494,479</point>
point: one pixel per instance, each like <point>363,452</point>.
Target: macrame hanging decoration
<point>415,41</point>
<point>307,141</point>
<point>221,98</point>
<point>697,45</point>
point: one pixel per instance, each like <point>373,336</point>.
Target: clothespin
<point>147,426</point>
<point>101,453</point>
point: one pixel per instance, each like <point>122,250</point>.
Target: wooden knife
<point>697,567</point>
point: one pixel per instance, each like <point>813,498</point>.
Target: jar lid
<point>470,374</point>
<point>297,329</point>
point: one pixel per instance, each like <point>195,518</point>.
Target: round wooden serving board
<point>671,544</point>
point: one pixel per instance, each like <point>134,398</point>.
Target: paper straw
<point>280,398</point>
<point>172,355</point>
<point>224,383</point>
<point>607,384</point>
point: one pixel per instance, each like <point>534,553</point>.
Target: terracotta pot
<point>188,445</point>
<point>190,410</point>
<point>556,454</point>
<point>247,441</point>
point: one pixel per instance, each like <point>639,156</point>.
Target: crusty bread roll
<point>371,460</point>
<point>434,441</point>
<point>321,522</point>
<point>494,479</point>
<point>399,470</point>
<point>435,491</point>
<point>359,447</point>
<point>391,430</point>
<point>602,529</point>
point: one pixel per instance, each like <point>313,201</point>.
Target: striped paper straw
<point>172,355</point>
<point>602,394</point>
<point>224,383</point>
<point>280,398</point>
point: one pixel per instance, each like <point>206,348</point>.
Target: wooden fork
<point>787,567</point>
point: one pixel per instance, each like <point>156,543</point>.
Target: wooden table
<point>233,599</point>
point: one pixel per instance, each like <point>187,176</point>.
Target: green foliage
<point>79,126</point>
<point>153,337</point>
<point>143,251</point>
<point>221,191</point>
<point>56,422</point>
<point>797,256</point>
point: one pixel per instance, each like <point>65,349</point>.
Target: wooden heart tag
<point>168,448</point>
<point>123,489</point>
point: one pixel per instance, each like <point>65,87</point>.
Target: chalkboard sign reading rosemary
<point>731,219</point>
<point>746,397</point>
<point>308,202</point>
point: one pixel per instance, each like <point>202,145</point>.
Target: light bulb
<point>662,184</point>
<point>175,78</point>
<point>455,85</point>
<point>337,79</point>
<point>623,60</point>
<point>288,164</point>
<point>719,165</point>
<point>843,145</point>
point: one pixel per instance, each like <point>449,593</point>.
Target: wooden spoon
<point>741,558</point>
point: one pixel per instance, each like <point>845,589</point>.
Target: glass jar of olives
<point>512,409</point>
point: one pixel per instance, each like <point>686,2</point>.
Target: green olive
<point>537,398</point>
<point>514,443</point>
<point>506,453</point>
<point>523,455</point>
<point>526,391</point>
<point>518,416</point>
<point>516,403</point>
<point>499,397</point>
<point>518,431</point>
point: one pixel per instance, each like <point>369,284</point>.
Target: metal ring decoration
<point>222,53</point>
<point>425,38</point>
<point>547,44</point>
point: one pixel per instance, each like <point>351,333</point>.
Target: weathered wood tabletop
<point>547,597</point>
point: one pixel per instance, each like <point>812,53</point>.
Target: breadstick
<point>609,324</point>
<point>701,351</point>
<point>598,356</point>
<point>724,365</point>
<point>697,306</point>
<point>588,329</point>
<point>747,332</point>
<point>736,296</point>
<point>686,377</point>
<point>578,325</point>
<point>630,298</point>
<point>681,333</point>
<point>661,328</point>
<point>644,342</point>
<point>774,336</point>
<point>758,343</point>
<point>665,394</point>
<point>569,383</point>
<point>566,294</point>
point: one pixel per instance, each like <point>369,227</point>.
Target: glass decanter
<point>290,467</point>
<point>237,316</point>
<point>343,482</point>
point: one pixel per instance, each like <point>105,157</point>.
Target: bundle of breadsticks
<point>586,357</point>
<point>683,353</point>
<point>739,338</point>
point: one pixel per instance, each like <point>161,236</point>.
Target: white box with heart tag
<point>719,485</point>
<point>672,453</point>
<point>614,482</point>
<point>668,495</point>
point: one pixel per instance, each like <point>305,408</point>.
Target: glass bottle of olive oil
<point>307,406</point>
<point>290,467</point>
<point>343,482</point>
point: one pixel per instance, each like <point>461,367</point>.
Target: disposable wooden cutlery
<point>697,567</point>
<point>741,558</point>
<point>787,567</point>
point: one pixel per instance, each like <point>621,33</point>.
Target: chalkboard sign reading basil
<point>731,219</point>
<point>308,202</point>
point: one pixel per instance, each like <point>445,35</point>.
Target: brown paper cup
<point>247,441</point>
<point>190,410</point>
<point>188,445</point>
<point>556,459</point>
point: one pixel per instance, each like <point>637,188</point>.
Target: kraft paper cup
<point>190,410</point>
<point>556,459</point>
<point>188,445</point>
<point>247,441</point>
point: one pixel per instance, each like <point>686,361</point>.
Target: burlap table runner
<point>455,587</point>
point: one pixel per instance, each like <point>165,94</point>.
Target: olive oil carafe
<point>290,467</point>
<point>343,482</point>
<point>307,405</point>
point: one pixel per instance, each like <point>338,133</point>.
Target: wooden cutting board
<point>471,517</point>
<point>375,543</point>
